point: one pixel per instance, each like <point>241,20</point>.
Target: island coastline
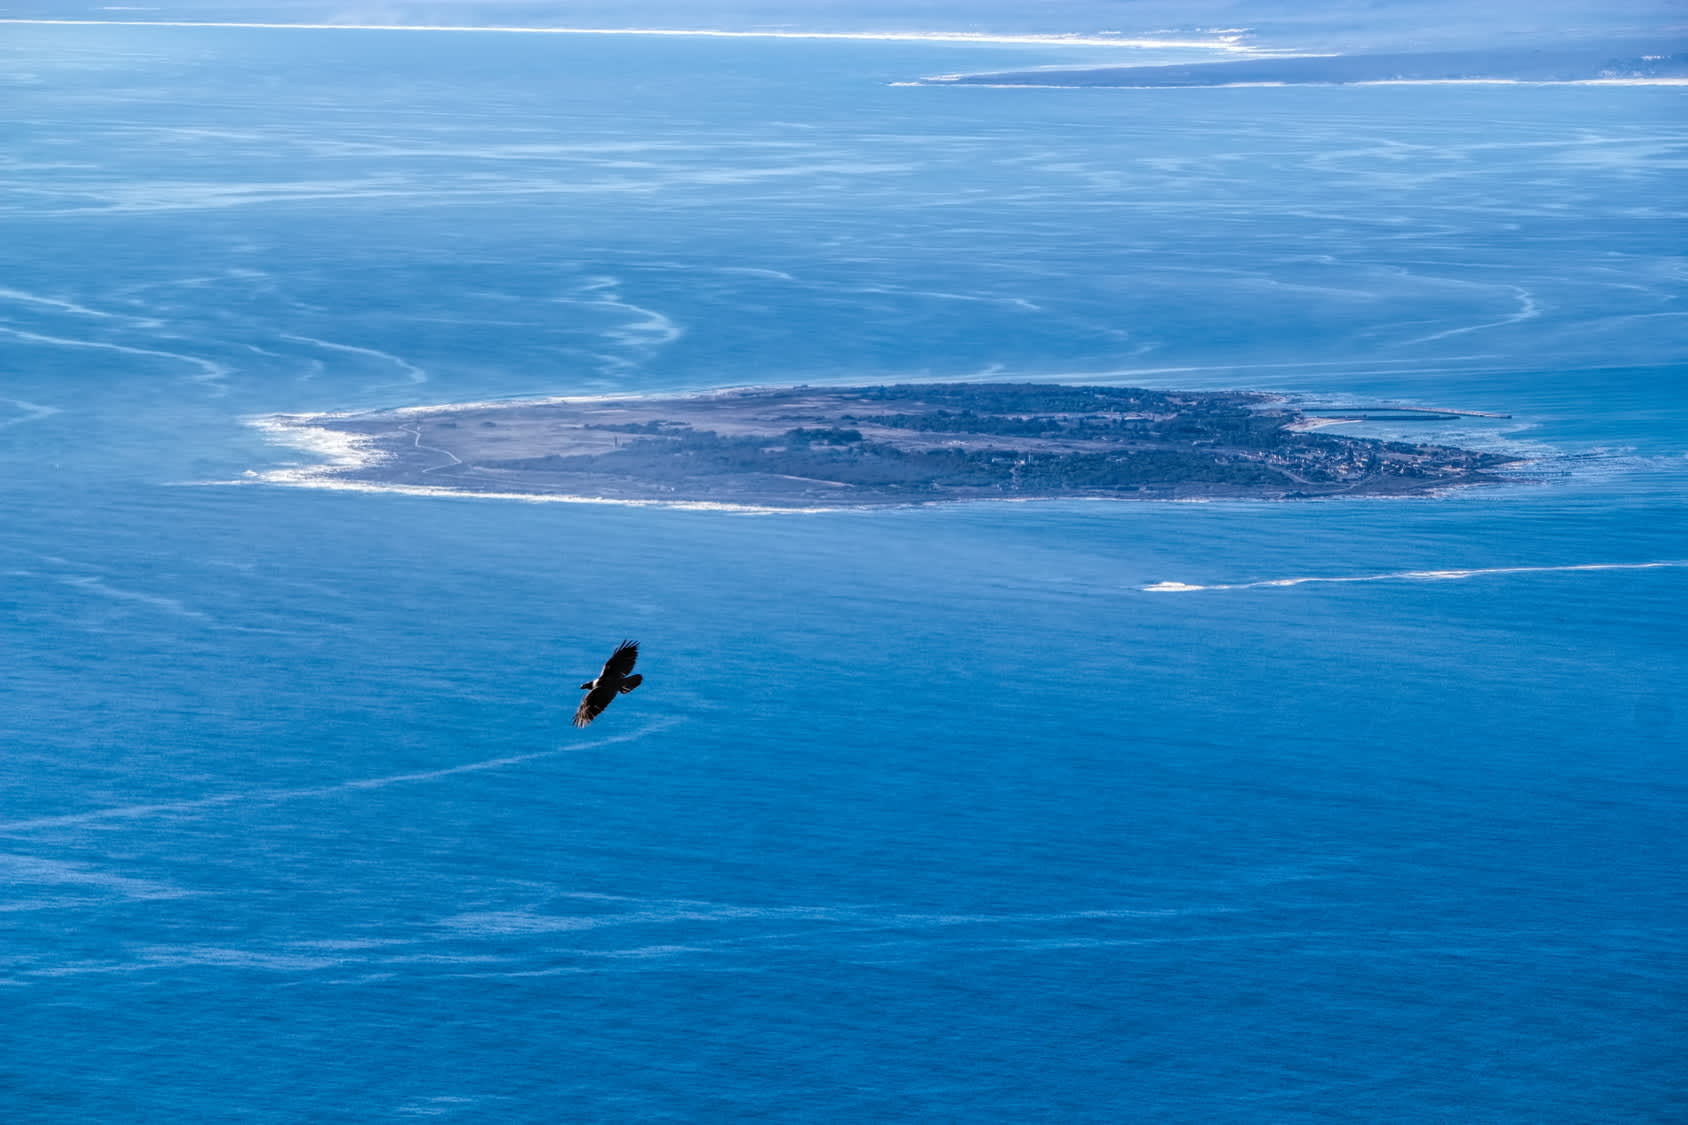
<point>807,448</point>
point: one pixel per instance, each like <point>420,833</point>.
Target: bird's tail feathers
<point>630,683</point>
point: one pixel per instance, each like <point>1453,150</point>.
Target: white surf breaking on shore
<point>1227,40</point>
<point>332,485</point>
<point>343,453</point>
<point>1409,576</point>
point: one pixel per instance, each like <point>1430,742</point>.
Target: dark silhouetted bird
<point>611,682</point>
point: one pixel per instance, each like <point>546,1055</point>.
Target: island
<point>807,447</point>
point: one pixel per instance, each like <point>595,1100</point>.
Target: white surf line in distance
<point>1410,575</point>
<point>1227,41</point>
<point>133,812</point>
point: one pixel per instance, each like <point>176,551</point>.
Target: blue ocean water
<point>922,814</point>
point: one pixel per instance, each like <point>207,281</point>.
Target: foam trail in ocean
<point>1016,302</point>
<point>1527,310</point>
<point>210,373</point>
<point>28,869</point>
<point>97,586</point>
<point>1411,575</point>
<point>72,307</point>
<point>32,411</point>
<point>261,796</point>
<point>412,372</point>
<point>646,330</point>
<point>650,330</point>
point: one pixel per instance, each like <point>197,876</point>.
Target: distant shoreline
<point>1220,42</point>
<point>824,448</point>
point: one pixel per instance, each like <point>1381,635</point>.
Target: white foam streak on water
<point>646,329</point>
<point>98,586</point>
<point>1528,309</point>
<point>1411,575</point>
<point>36,870</point>
<point>132,812</point>
<point>412,372</point>
<point>32,412</point>
<point>210,373</point>
<point>939,295</point>
<point>854,918</point>
<point>72,307</point>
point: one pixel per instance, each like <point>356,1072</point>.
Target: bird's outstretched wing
<point>593,705</point>
<point>612,681</point>
<point>621,660</point>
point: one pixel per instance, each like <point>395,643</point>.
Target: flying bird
<point>611,682</point>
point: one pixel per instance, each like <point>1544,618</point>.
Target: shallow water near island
<point>1228,811</point>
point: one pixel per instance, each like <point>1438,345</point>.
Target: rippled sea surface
<point>1372,812</point>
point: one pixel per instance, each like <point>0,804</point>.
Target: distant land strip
<point>1222,41</point>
